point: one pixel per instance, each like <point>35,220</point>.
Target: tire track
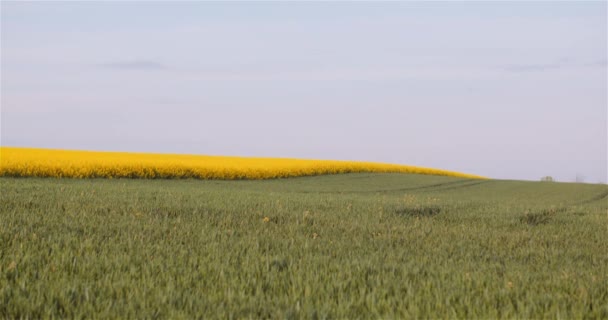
<point>598,197</point>
<point>436,186</point>
<point>459,186</point>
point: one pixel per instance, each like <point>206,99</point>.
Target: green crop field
<point>344,246</point>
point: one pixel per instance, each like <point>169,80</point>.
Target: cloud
<point>599,63</point>
<point>134,65</point>
<point>539,67</point>
<point>563,63</point>
<point>534,67</point>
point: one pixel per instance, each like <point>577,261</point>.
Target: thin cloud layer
<point>134,65</point>
<point>534,67</point>
<point>561,64</point>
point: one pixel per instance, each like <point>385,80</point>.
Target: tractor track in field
<point>459,186</point>
<point>430,186</point>
<point>601,196</point>
<point>425,188</point>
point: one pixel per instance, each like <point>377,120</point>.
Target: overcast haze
<point>512,90</point>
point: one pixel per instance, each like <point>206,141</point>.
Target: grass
<point>343,246</point>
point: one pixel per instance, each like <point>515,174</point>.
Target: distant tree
<point>547,179</point>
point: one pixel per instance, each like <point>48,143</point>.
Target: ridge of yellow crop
<point>34,162</point>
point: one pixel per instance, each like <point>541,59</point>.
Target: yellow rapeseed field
<point>31,162</point>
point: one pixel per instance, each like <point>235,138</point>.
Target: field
<point>339,246</point>
<point>34,162</point>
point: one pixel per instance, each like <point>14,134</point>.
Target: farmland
<point>358,245</point>
<point>34,162</point>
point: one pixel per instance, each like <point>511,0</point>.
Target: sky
<point>508,90</point>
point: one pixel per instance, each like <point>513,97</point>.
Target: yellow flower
<point>31,162</point>
<point>266,219</point>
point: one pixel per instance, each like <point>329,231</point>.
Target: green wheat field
<point>342,246</point>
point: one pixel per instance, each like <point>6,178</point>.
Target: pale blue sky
<point>512,90</point>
